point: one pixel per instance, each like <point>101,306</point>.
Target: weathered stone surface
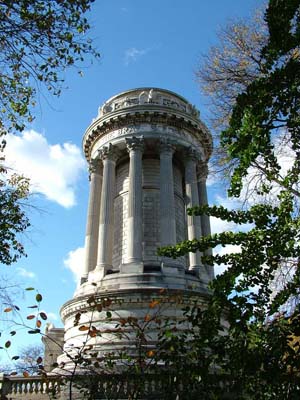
<point>150,149</point>
<point>150,142</point>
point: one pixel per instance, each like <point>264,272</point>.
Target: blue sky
<point>142,43</point>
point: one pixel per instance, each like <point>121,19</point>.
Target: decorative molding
<point>191,154</point>
<point>167,145</point>
<point>202,170</point>
<point>135,143</point>
<point>94,166</point>
<point>109,152</point>
<point>160,122</point>
<point>148,96</point>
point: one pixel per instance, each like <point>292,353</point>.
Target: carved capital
<point>135,143</point>
<point>94,166</point>
<point>166,145</point>
<point>191,154</point>
<point>202,171</point>
<point>109,152</point>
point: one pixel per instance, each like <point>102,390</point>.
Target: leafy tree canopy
<point>39,40</point>
<point>260,352</point>
<point>14,193</point>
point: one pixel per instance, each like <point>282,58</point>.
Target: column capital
<point>135,143</point>
<point>166,145</point>
<point>191,154</point>
<point>109,152</point>
<point>202,170</point>
<point>94,166</point>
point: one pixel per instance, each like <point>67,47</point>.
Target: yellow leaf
<point>83,328</point>
<point>154,303</point>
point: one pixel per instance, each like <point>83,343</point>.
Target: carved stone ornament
<point>202,170</point>
<point>148,96</point>
<point>192,154</point>
<point>109,152</point>
<point>193,111</point>
<point>94,166</point>
<point>167,145</point>
<point>135,143</point>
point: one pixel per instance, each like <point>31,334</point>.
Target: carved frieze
<point>145,97</point>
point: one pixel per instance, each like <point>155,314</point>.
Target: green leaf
<point>39,297</point>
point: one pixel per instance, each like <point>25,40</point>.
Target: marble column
<point>135,217</point>
<point>205,221</point>
<point>109,155</point>
<point>192,199</point>
<point>167,200</point>
<point>93,214</point>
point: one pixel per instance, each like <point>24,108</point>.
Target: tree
<point>226,70</point>
<point>14,193</point>
<point>29,358</point>
<point>39,41</point>
<point>259,353</point>
<point>231,65</point>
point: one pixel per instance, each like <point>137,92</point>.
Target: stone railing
<point>107,387</point>
<point>32,387</point>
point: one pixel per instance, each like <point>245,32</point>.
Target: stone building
<point>147,152</point>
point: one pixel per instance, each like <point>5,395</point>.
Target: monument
<point>147,152</point>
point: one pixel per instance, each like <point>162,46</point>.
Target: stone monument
<point>147,152</point>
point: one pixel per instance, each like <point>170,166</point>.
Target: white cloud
<point>52,316</point>
<point>26,274</point>
<point>255,178</point>
<point>75,262</point>
<point>132,54</point>
<point>53,169</point>
<point>218,225</point>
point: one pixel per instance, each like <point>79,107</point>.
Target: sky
<point>154,43</point>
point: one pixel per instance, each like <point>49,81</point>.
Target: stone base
<point>132,268</point>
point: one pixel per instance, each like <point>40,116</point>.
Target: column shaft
<point>167,200</point>
<point>135,223</point>
<point>192,199</point>
<point>205,221</point>
<point>93,214</point>
<point>106,221</point>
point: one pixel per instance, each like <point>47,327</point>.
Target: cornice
<point>81,303</point>
<point>151,115</point>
